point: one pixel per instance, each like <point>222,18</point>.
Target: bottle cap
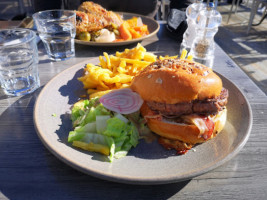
<point>211,5</point>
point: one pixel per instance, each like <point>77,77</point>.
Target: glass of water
<point>57,30</point>
<point>18,61</point>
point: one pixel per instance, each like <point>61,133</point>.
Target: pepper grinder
<point>207,23</point>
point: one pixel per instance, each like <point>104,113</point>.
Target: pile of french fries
<point>117,71</point>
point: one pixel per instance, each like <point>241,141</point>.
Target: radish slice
<point>123,101</point>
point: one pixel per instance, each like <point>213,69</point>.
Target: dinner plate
<point>148,163</point>
<point>153,27</point>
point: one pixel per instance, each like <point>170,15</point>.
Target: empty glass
<point>18,61</point>
<point>57,30</point>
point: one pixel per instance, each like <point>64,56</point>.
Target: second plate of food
<point>153,28</point>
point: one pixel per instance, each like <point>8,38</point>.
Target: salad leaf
<point>98,143</point>
<point>90,127</point>
<point>75,136</point>
<point>91,114</point>
<point>121,117</point>
<point>101,110</point>
<point>78,109</point>
<point>140,123</point>
<point>134,136</point>
<point>92,147</point>
<point>101,123</point>
<point>115,127</point>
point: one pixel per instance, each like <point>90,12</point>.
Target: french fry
<point>132,61</point>
<point>150,57</point>
<point>91,91</point>
<point>190,57</point>
<point>118,85</point>
<point>107,60</point>
<point>125,85</point>
<point>183,54</point>
<point>99,93</point>
<point>124,78</point>
<point>167,57</point>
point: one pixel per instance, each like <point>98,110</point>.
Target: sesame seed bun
<point>173,81</point>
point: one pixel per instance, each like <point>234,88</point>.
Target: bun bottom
<point>184,132</point>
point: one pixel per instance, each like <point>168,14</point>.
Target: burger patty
<point>203,107</point>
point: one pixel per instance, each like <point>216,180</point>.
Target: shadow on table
<point>49,178</point>
<point>242,44</point>
<point>77,185</point>
<point>73,89</point>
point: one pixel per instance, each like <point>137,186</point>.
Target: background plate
<point>152,25</point>
<point>147,163</point>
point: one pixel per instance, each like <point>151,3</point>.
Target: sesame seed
<point>159,80</point>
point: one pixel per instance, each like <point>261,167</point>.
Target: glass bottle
<point>207,23</point>
<point>191,13</point>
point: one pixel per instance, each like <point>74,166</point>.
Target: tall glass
<point>57,30</point>
<point>18,61</point>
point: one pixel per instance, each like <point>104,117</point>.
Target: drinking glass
<point>18,61</point>
<point>57,30</point>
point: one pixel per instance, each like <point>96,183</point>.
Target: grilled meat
<point>203,107</point>
<point>93,17</point>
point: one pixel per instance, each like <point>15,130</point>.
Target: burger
<point>184,102</point>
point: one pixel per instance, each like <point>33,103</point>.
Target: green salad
<point>101,130</point>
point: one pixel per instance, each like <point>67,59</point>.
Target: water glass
<point>57,30</point>
<point>18,61</point>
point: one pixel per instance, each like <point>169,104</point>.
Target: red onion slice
<point>123,101</point>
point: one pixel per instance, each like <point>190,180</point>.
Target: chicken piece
<point>98,17</point>
<point>81,22</point>
<point>88,22</point>
<point>93,8</point>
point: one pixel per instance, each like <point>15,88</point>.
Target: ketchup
<point>210,127</point>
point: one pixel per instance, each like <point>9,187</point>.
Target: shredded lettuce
<point>78,109</point>
<point>101,123</point>
<point>115,127</point>
<point>89,127</point>
<point>101,130</point>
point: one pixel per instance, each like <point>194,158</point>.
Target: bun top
<point>174,81</point>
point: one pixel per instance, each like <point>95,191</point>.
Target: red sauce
<point>180,147</point>
<point>210,125</point>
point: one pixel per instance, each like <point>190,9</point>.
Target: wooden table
<point>29,171</point>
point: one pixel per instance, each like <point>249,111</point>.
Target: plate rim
<point>121,43</point>
<point>137,181</point>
